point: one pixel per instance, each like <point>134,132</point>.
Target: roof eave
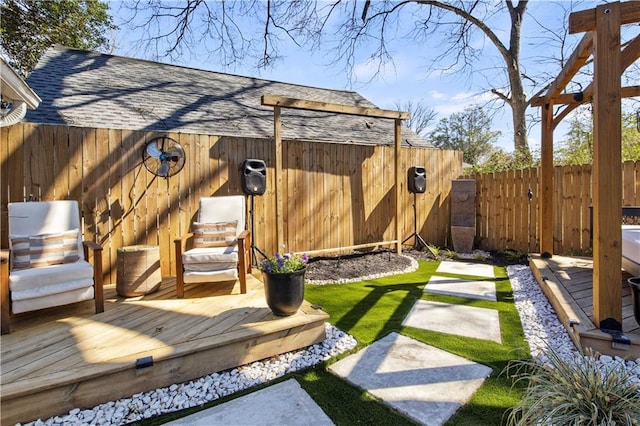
<point>15,88</point>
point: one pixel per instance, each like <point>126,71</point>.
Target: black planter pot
<point>634,284</point>
<point>284,292</point>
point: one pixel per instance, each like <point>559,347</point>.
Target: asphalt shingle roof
<point>90,89</point>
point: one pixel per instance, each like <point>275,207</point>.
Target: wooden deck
<point>568,283</point>
<point>70,357</point>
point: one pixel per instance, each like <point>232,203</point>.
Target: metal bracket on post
<point>614,328</point>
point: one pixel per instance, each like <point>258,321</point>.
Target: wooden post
<point>607,170</point>
<point>545,214</point>
<point>277,139</point>
<point>398,144</point>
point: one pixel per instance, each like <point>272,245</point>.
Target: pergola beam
<point>577,59</point>
<point>585,20</point>
<point>586,95</point>
<point>284,102</point>
<point>629,55</point>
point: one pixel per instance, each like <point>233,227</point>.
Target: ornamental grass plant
<point>577,390</point>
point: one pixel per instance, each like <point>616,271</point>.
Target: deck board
<point>568,284</point>
<point>63,358</point>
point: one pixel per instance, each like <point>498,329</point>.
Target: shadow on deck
<point>568,284</point>
<point>69,357</point>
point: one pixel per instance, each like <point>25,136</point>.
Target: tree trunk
<point>518,101</point>
<point>518,109</point>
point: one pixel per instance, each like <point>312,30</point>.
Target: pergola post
<point>607,170</point>
<point>545,214</point>
<point>277,139</point>
<point>396,166</point>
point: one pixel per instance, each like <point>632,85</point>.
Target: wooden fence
<point>336,195</point>
<point>507,219</point>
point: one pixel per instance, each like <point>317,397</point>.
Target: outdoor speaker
<point>254,177</point>
<point>417,177</point>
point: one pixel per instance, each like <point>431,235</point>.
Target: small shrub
<point>514,256</point>
<point>480,256</point>
<point>434,250</point>
<point>575,391</point>
<point>451,254</point>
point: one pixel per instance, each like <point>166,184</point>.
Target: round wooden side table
<point>138,270</point>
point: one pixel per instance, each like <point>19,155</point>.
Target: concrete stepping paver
<point>284,403</point>
<point>460,320</point>
<point>485,290</point>
<point>424,383</point>
<point>466,268</point>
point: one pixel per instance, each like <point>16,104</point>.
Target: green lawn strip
<point>346,404</point>
<point>371,309</point>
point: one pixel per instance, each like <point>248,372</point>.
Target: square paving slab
<point>466,268</point>
<point>424,383</point>
<point>284,403</point>
<point>460,320</point>
<point>485,290</point>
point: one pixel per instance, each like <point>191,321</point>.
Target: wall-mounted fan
<point>163,156</point>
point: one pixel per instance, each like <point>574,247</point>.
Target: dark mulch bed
<point>360,264</point>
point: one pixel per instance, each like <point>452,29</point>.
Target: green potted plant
<point>283,276</point>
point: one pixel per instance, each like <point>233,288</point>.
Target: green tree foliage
<point>28,28</point>
<point>499,160</point>
<point>577,147</point>
<point>468,131</point>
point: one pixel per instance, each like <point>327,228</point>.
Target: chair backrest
<point>223,209</point>
<point>45,217</point>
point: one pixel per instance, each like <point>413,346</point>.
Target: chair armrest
<point>4,291</point>
<point>90,245</point>
<point>244,235</point>
<point>179,245</point>
<point>95,249</point>
<point>244,258</point>
<point>244,250</point>
<point>183,238</point>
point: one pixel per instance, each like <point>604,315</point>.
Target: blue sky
<point>408,78</point>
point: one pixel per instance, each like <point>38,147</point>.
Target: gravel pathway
<point>540,323</point>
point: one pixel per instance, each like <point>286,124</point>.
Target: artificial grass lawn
<point>369,310</point>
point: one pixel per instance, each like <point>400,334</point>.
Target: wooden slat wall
<point>337,195</point>
<point>507,220</point>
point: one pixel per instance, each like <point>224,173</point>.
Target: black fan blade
<point>163,170</point>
